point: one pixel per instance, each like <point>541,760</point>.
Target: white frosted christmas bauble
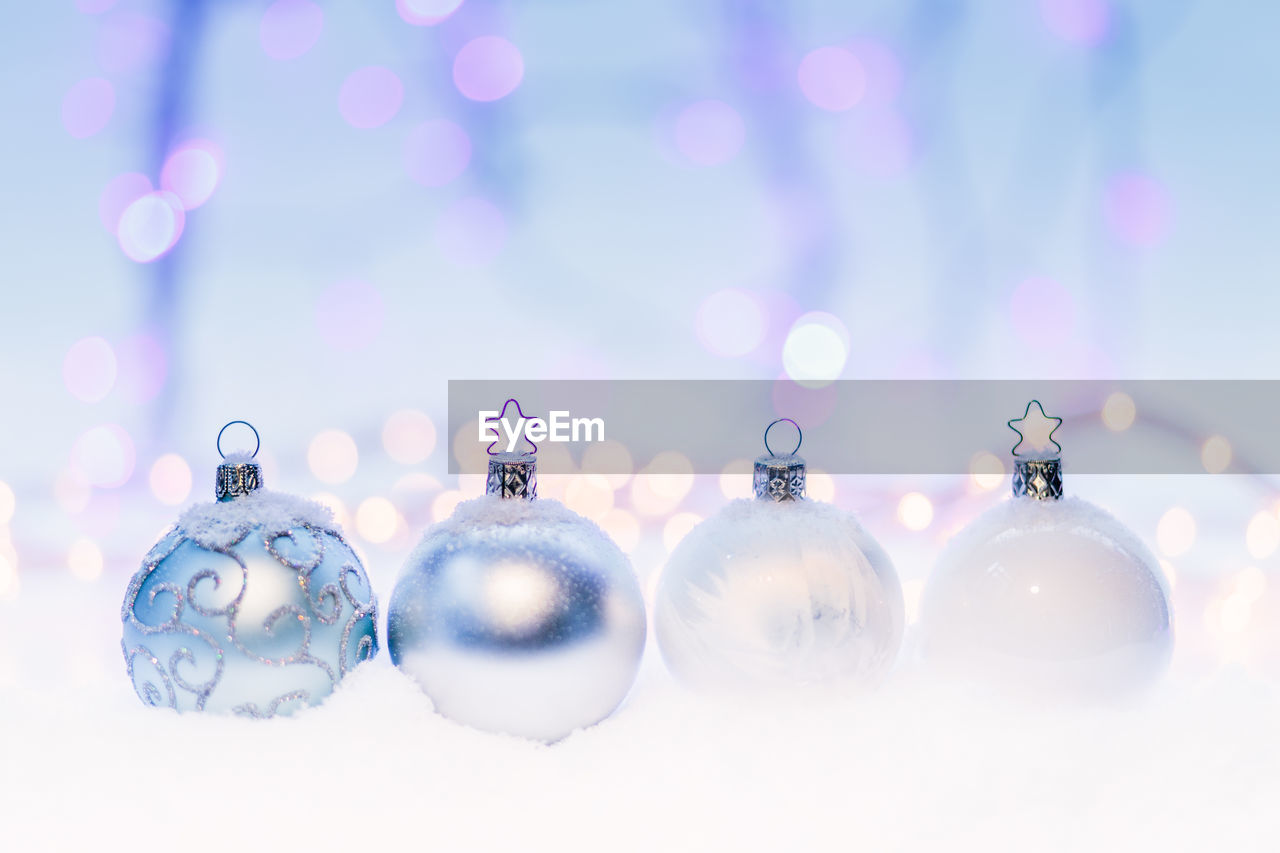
<point>769,594</point>
<point>1048,598</point>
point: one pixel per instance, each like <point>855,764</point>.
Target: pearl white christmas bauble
<point>1052,598</point>
<point>769,594</point>
<point>519,616</point>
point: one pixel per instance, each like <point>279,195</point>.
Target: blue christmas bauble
<point>254,605</point>
<point>518,616</point>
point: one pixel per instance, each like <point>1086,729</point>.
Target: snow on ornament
<point>253,604</point>
<point>518,615</point>
<point>779,592</point>
<point>1046,596</point>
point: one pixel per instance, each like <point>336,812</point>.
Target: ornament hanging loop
<point>1037,475</point>
<point>799,437</point>
<point>257,440</point>
<point>779,477</point>
<point>241,475</point>
<point>1041,419</point>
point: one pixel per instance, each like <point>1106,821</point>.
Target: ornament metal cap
<point>1038,474</point>
<point>238,475</point>
<point>779,477</point>
<point>512,475</point>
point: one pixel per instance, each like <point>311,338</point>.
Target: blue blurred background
<point>310,215</point>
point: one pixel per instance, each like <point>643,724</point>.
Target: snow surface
<point>87,767</point>
<point>221,524</point>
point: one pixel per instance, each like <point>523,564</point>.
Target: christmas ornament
<point>253,604</point>
<point>779,591</point>
<point>1046,594</point>
<point>518,615</point>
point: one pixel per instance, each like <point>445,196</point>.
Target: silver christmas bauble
<point>254,605</point>
<point>1049,598</point>
<point>518,616</point>
<point>779,592</point>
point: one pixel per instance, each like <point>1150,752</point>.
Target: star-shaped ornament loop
<point>502,416</point>
<point>1036,431</point>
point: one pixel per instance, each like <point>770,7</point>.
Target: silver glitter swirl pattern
<point>264,625</point>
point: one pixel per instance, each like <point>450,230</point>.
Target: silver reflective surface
<point>527,628</point>
<point>767,594</point>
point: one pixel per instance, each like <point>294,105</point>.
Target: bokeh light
<point>87,107</point>
<point>1042,312</point>
<point>413,493</point>
<point>349,315</point>
<point>623,528</point>
<point>1262,536</point>
<point>709,133</point>
<point>1176,532</point>
<point>730,323</point>
<point>332,456</point>
<point>589,495</point>
<point>471,232</point>
<point>882,71</point>
<point>832,78</point>
<point>444,504</point>
<point>170,479</point>
<point>986,471</point>
<point>409,436</point>
<point>611,459</point>
<point>120,192</point>
<point>471,454</point>
<point>488,68</point>
<point>820,486</point>
<point>1137,210</point>
<point>89,369</point>
<point>816,349</point>
<point>192,172</point>
<point>105,455</point>
<point>290,28</point>
<point>150,226</point>
<point>426,13</point>
<point>1215,454</point>
<point>915,511</point>
<point>335,505</point>
<point>370,97</point>
<point>1119,412</point>
<point>1079,22</point>
<point>376,520</point>
<point>436,152</point>
<point>84,559</point>
<point>735,479</point>
<point>662,484</point>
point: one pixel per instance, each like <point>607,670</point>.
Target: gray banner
<point>878,427</point>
